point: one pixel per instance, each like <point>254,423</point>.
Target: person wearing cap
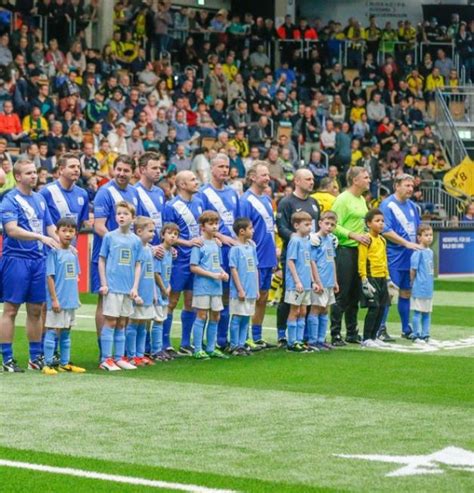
<point>96,110</point>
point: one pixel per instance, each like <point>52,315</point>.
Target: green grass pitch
<point>274,422</point>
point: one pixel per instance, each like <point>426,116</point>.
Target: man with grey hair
<point>351,208</point>
<point>402,218</point>
<point>219,197</point>
<point>27,229</point>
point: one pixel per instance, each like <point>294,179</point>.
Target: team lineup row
<point>29,230</point>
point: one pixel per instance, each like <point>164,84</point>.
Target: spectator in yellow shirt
<point>327,192</point>
<point>415,83</point>
<point>357,111</point>
<point>35,125</point>
<point>413,158</point>
<point>106,158</point>
<point>434,81</point>
<point>229,68</point>
<point>356,153</point>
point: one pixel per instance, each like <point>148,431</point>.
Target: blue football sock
<point>234,331</point>
<point>7,351</point>
<point>48,345</point>
<point>43,335</point>
<point>223,327</point>
<point>119,343</point>
<point>167,330</point>
<point>106,342</point>
<point>416,324</point>
<point>404,312</point>
<point>198,331</point>
<point>300,326</point>
<point>281,333</point>
<point>312,323</point>
<point>291,327</point>
<point>323,327</point>
<point>211,336</point>
<point>243,330</point>
<point>141,338</point>
<point>425,324</point>
<point>131,340</point>
<point>256,333</point>
<point>100,347</point>
<point>65,347</point>
<point>35,350</point>
<point>187,320</point>
<point>156,337</point>
<point>148,342</point>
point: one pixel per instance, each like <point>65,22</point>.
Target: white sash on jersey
<point>226,215</point>
<point>115,194</point>
<point>402,219</point>
<point>261,209</point>
<point>183,210</point>
<point>35,224</point>
<point>150,208</point>
<point>61,202</point>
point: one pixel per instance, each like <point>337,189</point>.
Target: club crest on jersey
<point>80,200</point>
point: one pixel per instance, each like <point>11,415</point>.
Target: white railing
<point>445,206</point>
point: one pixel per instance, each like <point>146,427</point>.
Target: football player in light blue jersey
<point>243,263</point>
<point>257,206</point>
<point>119,271</point>
<point>206,265</point>
<point>183,210</point>
<point>63,197</point>
<point>323,256</point>
<point>144,305</point>
<point>62,299</point>
<point>169,234</point>
<point>299,280</point>
<point>151,197</point>
<point>219,197</point>
<point>422,276</point>
<point>27,229</point>
<point>105,201</point>
<point>402,219</point>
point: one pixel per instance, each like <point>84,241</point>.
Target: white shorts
<point>244,308</point>
<point>117,305</point>
<point>208,302</point>
<point>422,304</point>
<point>324,299</point>
<point>62,320</point>
<point>141,312</point>
<point>298,299</point>
<point>161,313</point>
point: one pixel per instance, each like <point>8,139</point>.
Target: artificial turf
<point>270,422</point>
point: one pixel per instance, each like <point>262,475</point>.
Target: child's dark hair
<point>299,217</point>
<point>66,222</point>
<point>371,214</point>
<point>208,217</point>
<point>169,227</point>
<point>328,215</point>
<point>241,223</point>
<point>422,228</point>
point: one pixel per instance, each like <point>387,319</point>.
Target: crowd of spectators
<point>190,83</point>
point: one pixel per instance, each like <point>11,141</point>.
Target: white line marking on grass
<point>80,473</point>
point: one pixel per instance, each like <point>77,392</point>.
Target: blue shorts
<point>401,278</point>
<point>265,278</point>
<point>95,278</point>
<point>23,280</point>
<point>181,278</point>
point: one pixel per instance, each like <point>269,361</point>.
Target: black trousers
<point>347,299</point>
<point>283,309</point>
<point>376,307</point>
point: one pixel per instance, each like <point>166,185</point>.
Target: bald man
<point>299,200</point>
<point>184,210</point>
